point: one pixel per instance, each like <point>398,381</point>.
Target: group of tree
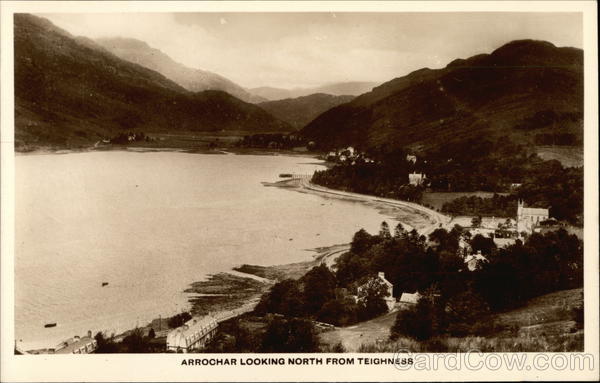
<point>272,141</point>
<point>320,296</point>
<point>275,333</point>
<point>134,342</point>
<point>383,179</point>
<point>496,206</point>
<point>458,303</point>
<point>549,118</point>
<point>178,320</point>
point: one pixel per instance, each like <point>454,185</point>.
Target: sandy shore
<point>412,215</point>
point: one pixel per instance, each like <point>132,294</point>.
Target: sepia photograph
<point>248,186</point>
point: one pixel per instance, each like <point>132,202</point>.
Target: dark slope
<point>300,111</point>
<point>70,92</point>
<point>523,89</point>
<point>194,80</point>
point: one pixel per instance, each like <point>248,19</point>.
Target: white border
<point>165,367</point>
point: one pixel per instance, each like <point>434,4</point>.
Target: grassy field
<point>545,323</point>
<point>569,156</point>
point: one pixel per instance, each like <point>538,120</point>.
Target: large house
<point>193,335</point>
<point>376,282</point>
<point>528,217</point>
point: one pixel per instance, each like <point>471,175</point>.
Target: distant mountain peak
<point>350,88</point>
<point>195,80</point>
<point>301,110</point>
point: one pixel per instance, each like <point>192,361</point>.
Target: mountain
<point>71,92</point>
<point>194,80</point>
<point>272,94</point>
<point>530,91</point>
<point>301,110</point>
<point>336,89</point>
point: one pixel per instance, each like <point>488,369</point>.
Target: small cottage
<point>377,282</point>
<point>408,298</point>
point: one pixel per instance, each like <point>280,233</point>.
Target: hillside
<point>528,90</point>
<point>70,92</point>
<point>301,110</point>
<point>336,89</point>
<point>543,323</point>
<point>194,80</point>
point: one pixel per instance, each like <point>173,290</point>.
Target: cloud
<point>309,49</point>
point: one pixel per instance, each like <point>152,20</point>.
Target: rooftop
<point>76,345</point>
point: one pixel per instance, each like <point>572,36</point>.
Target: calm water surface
<point>149,224</point>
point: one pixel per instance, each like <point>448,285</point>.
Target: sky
<point>287,50</point>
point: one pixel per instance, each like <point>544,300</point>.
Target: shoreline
<point>386,206</point>
<point>226,150</point>
<point>234,292</point>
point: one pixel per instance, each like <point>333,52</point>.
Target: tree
<point>105,345</point>
<point>293,335</point>
<point>361,241</point>
<point>135,342</point>
<point>476,221</point>
<point>484,244</point>
<point>284,298</point>
<point>464,311</point>
<point>179,319</point>
<point>339,312</point>
<point>400,231</point>
<point>424,320</point>
<point>384,231</point>
<point>319,287</point>
<point>371,297</point>
<point>151,334</point>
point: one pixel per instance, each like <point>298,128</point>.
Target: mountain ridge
<point>351,88</point>
<point>301,110</point>
<point>70,93</point>
<point>493,94</point>
<point>192,79</point>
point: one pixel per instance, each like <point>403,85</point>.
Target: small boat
<point>50,325</point>
<point>104,284</point>
<point>285,175</point>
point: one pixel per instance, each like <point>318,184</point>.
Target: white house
<point>193,335</point>
<point>416,179</point>
<point>411,158</point>
<point>363,289</point>
<point>475,261</point>
<point>528,217</point>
